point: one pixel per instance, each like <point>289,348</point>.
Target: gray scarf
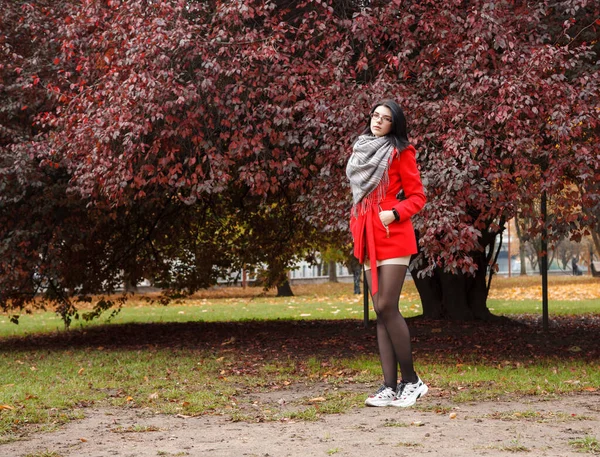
<point>367,169</point>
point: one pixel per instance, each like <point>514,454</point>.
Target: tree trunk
<point>454,296</point>
<point>430,292</point>
<point>332,271</point>
<point>596,240</point>
<point>356,269</point>
<point>131,286</point>
<point>357,273</point>
<point>285,290</point>
<point>521,248</point>
<point>523,258</point>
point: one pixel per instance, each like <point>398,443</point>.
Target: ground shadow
<point>516,339</point>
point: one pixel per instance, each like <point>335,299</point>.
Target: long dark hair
<point>397,134</point>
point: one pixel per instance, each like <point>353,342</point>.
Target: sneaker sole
<point>373,402</point>
<point>422,391</point>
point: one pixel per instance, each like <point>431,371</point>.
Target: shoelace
<point>400,389</point>
<point>403,385</point>
<point>381,389</point>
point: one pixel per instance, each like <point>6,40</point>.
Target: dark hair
<point>397,134</point>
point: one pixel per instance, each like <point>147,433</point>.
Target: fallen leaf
<point>452,416</point>
<point>83,440</point>
<point>317,399</point>
<point>185,403</point>
<point>81,370</point>
<point>129,399</point>
<point>229,341</point>
<point>6,407</point>
<point>153,396</point>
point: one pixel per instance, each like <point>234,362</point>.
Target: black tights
<point>393,336</point>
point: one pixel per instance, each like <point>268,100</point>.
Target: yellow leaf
<point>6,407</point>
<point>317,399</point>
<point>81,370</point>
<point>129,399</point>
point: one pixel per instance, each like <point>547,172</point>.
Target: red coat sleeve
<point>411,185</point>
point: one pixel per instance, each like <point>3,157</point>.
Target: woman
<point>383,167</point>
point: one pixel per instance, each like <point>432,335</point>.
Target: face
<point>381,121</point>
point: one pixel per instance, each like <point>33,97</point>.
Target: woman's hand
<point>386,217</point>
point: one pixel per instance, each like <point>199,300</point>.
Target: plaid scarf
<point>367,171</point>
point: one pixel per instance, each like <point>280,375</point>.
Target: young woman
<point>387,191</point>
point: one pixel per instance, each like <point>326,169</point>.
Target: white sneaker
<point>409,392</point>
<point>383,397</point>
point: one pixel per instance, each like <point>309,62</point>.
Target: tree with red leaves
<point>175,140</point>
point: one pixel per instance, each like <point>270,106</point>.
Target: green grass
<point>214,311</point>
<point>514,446</point>
<point>188,382</point>
<point>555,307</point>
<point>587,444</point>
<point>299,308</point>
<point>536,416</point>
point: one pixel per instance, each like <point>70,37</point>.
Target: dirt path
<point>530,426</point>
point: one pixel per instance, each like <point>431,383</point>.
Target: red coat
<point>371,239</point>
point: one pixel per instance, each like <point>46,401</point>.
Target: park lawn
<point>294,308</point>
<point>211,354</point>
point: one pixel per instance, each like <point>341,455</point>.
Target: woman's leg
<point>393,336</point>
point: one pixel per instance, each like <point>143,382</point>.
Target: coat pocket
<point>385,227</point>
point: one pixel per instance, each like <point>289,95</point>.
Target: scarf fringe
<point>377,195</point>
